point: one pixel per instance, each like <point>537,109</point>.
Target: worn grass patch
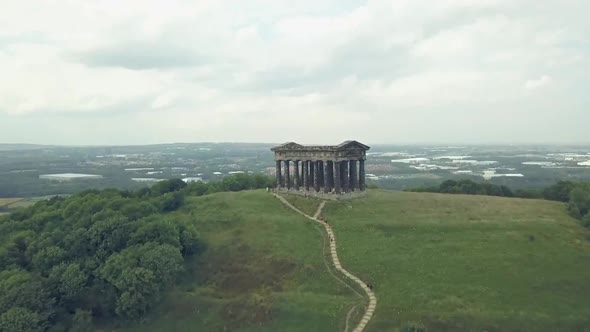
<point>466,263</point>
<point>309,205</point>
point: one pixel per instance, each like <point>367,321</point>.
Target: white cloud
<point>267,69</point>
<point>540,82</point>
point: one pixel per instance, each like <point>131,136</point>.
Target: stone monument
<point>337,169</point>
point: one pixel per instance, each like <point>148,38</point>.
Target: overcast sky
<point>321,71</point>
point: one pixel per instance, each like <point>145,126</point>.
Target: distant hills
<point>10,147</point>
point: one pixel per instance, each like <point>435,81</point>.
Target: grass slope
<point>263,271</point>
<point>467,263</point>
<point>308,205</point>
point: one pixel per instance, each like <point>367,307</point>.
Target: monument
<point>337,169</point>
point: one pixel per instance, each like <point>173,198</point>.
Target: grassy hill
<point>467,263</point>
<point>263,271</point>
<point>446,262</point>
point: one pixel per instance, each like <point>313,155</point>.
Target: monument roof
<point>342,146</point>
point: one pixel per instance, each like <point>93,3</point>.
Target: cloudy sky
<point>321,71</point>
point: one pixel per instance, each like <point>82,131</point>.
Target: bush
<point>468,187</point>
<point>413,327</point>
<point>20,319</point>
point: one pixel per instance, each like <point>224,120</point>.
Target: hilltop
<point>443,262</point>
<point>437,262</point>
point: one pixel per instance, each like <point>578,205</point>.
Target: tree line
<point>575,194</point>
<point>98,255</point>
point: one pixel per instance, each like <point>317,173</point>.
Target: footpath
<point>370,294</point>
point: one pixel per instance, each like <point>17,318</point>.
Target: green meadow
<point>440,262</point>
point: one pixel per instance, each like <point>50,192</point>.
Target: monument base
<point>321,195</point>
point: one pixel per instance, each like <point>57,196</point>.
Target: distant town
<point>64,170</point>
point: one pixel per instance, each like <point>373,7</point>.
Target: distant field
<point>8,204</point>
<point>467,263</point>
<point>8,201</point>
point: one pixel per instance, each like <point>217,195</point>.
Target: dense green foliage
<point>98,255</point>
<point>577,197</point>
<point>236,182</point>
<point>467,187</point>
<point>95,255</point>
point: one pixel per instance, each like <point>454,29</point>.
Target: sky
<point>322,71</point>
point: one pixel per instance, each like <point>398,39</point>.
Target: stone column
<point>330,177</point>
<point>305,167</point>
<point>362,175</point>
<point>302,172</point>
<point>337,177</point>
<point>278,174</point>
<point>327,186</point>
<point>344,174</point>
<point>321,173</point>
<point>311,173</point>
<point>296,181</point>
<point>287,176</point>
<point>353,176</point>
<point>316,176</point>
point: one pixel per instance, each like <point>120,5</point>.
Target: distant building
<point>410,160</point>
<point>146,179</point>
<point>192,179</point>
<point>68,176</point>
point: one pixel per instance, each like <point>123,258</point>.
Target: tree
<point>24,289</point>
<point>134,210</point>
<point>81,321</point>
<point>159,230</point>
<point>447,186</point>
<point>110,235</point>
<point>167,186</point>
<point>68,280</point>
<point>140,290</point>
<point>48,257</point>
<point>559,192</point>
<point>171,201</point>
<point>190,238</point>
<point>19,319</point>
<point>581,198</point>
<point>165,261</point>
<point>98,253</point>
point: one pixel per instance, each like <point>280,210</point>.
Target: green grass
<point>263,270</point>
<point>467,263</point>
<point>309,205</point>
<point>446,262</point>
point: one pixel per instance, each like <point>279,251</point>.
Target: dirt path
<point>372,299</point>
